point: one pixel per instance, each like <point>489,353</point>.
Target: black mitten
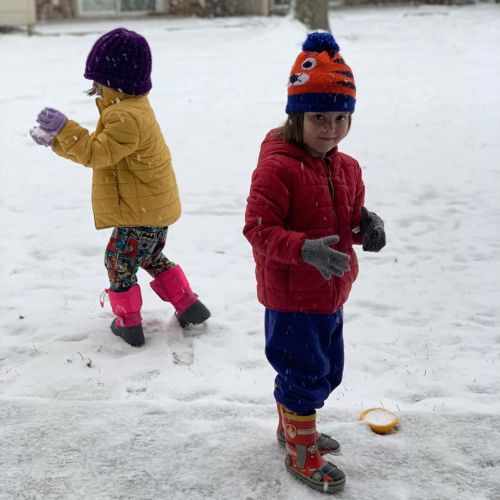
<point>372,229</point>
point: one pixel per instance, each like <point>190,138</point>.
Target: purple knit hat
<point>121,59</point>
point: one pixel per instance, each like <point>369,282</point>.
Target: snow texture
<point>39,133</point>
<point>379,416</point>
<point>41,137</point>
<point>191,415</point>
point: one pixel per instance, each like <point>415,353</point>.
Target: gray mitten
<point>326,260</point>
<point>372,229</point>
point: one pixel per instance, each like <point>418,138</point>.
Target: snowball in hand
<point>41,137</point>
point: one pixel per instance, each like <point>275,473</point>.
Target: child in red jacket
<point>304,213</point>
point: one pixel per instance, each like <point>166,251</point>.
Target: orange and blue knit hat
<point>320,79</point>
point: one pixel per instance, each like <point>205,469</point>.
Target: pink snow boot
<point>127,307</point>
<point>172,286</point>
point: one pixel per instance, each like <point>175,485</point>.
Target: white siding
<point>14,12</point>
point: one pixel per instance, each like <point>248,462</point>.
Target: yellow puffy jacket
<point>133,183</point>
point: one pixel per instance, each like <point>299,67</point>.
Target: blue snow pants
<point>307,351</point>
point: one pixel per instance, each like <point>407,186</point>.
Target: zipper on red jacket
<point>331,188</point>
<point>329,177</point>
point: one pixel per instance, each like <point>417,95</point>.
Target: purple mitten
<point>51,120</point>
<point>42,137</point>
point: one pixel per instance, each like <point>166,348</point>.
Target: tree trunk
<point>313,13</point>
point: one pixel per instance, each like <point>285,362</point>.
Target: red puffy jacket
<point>293,197</point>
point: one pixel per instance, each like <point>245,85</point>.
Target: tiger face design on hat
<point>320,79</point>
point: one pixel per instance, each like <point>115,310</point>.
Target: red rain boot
<point>172,286</point>
<point>326,444</point>
<point>127,307</point>
<point>302,457</point>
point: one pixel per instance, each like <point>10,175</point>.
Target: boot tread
<point>133,335</point>
<point>323,486</point>
<point>195,314</point>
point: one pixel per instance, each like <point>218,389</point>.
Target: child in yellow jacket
<point>134,189</point>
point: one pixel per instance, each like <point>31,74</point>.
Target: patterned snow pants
<point>132,247</point>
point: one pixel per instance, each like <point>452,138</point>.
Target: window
<point>98,6</point>
<point>107,7</point>
<point>280,6</point>
<point>138,5</point>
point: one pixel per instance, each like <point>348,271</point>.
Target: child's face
<point>323,131</point>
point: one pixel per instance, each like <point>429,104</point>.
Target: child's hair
<point>293,129</point>
<point>94,91</point>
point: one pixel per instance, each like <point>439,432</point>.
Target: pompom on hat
<point>320,79</point>
<point>121,59</point>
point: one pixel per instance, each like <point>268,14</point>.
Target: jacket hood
<point>274,144</point>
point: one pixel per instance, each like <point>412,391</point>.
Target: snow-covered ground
<point>191,415</point>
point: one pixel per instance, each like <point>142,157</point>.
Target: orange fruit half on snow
<point>379,420</point>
